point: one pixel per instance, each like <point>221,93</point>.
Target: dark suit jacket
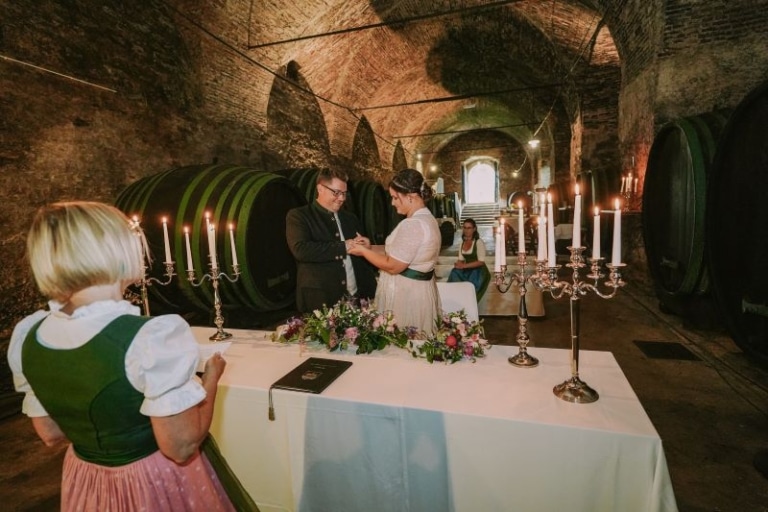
<point>313,238</point>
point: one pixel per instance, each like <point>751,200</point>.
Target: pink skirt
<point>154,483</point>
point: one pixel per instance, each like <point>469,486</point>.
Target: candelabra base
<point>576,391</point>
<point>220,336</point>
<point>523,360</point>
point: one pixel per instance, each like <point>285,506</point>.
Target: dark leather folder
<point>312,376</point>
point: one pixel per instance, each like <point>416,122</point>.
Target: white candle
<point>520,227</point>
<point>503,242</point>
<point>497,252</point>
<point>166,241</point>
<point>551,253</point>
<point>596,235</point>
<point>576,236</point>
<point>143,248</point>
<point>190,267</point>
<point>542,240</point>
<point>634,190</point>
<point>623,180</point>
<point>212,245</point>
<point>616,253</point>
<point>232,243</point>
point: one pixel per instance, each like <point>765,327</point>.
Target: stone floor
<point>707,401</point>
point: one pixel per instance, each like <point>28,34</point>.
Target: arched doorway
<point>481,180</point>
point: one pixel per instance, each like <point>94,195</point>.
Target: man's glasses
<point>336,193</point>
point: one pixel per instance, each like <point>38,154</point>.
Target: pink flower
<point>469,350</point>
<point>379,321</point>
<point>351,333</point>
<point>451,341</point>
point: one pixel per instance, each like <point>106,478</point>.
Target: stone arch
<point>296,142</point>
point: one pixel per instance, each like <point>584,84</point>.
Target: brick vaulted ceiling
<point>424,71</point>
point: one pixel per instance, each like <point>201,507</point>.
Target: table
<point>397,434</point>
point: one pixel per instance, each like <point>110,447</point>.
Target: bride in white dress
<point>407,262</point>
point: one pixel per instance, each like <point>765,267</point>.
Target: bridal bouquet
<point>349,323</point>
<point>456,338</point>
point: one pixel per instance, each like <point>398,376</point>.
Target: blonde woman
<point>407,281</point>
<point>119,387</point>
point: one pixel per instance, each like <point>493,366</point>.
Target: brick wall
<point>153,85</point>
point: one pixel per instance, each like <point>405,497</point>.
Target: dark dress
<point>478,276</point>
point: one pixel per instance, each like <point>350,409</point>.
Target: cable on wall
<point>46,70</point>
<point>400,21</point>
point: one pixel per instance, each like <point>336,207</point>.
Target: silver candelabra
<point>147,281</point>
<point>215,276</point>
<point>628,189</point>
<point>504,281</point>
<point>574,389</point>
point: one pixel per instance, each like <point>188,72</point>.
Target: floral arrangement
<point>456,338</point>
<point>349,323</point>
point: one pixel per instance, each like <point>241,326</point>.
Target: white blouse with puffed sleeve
<point>160,363</point>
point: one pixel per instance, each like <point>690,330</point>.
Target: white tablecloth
<point>397,434</point>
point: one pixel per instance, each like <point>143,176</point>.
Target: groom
<point>319,236</point>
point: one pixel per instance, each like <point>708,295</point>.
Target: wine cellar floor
<point>711,410</point>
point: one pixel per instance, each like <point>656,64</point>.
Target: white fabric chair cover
<point>456,296</point>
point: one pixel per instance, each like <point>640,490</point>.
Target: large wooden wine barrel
<point>737,225</point>
<point>372,206</point>
<point>305,180</point>
<point>255,202</point>
<point>595,190</point>
<point>449,210</point>
<point>674,195</point>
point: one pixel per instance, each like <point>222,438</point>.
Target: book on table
<point>312,376</point>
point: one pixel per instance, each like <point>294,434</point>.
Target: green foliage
<point>349,323</point>
<point>456,338</point>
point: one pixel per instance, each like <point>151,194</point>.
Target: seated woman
<point>471,263</point>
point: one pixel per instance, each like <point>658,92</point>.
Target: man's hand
<point>361,240</point>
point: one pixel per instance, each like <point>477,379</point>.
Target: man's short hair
<point>326,175</point>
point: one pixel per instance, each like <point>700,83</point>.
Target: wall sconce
<point>433,169</point>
